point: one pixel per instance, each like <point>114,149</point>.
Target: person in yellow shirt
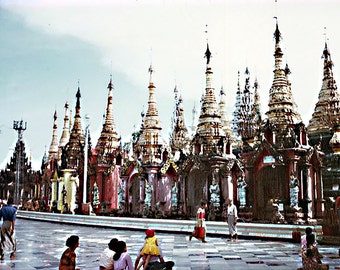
<point>150,248</point>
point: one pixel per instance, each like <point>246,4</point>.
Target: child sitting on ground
<point>149,249</point>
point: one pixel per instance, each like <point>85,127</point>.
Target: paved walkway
<point>40,245</point>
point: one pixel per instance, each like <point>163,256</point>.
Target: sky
<point>49,48</point>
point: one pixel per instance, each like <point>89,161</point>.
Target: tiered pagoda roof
<point>209,127</point>
<point>150,140</point>
<point>318,124</point>
<point>282,110</point>
<point>108,141</point>
<point>53,151</point>
<point>179,138</point>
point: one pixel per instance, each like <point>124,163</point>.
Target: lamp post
<point>20,127</point>
<point>87,121</point>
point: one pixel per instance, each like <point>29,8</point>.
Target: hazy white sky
<point>48,46</point>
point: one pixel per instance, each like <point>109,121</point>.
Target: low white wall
<point>279,231</point>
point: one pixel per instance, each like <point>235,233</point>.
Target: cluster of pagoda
<point>273,166</point>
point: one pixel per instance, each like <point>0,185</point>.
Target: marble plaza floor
<point>40,245</point>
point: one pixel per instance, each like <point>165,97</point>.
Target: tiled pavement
<point>40,245</point>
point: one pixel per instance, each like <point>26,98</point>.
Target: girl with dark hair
<point>122,259</point>
<point>106,258</point>
<point>311,258</point>
<point>68,259</point>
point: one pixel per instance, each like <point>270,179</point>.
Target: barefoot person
<point>68,258</point>
<point>232,219</point>
<point>200,227</point>
<point>8,241</point>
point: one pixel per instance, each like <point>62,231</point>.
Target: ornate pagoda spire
<point>179,138</point>
<point>77,131</point>
<point>256,109</point>
<point>150,140</point>
<point>65,135</point>
<point>76,143</point>
<point>237,111</point>
<point>209,124</point>
<point>246,128</point>
<point>224,118</point>
<point>295,107</point>
<point>327,95</point>
<point>108,140</point>
<point>282,111</point>
<point>44,160</point>
<point>53,151</point>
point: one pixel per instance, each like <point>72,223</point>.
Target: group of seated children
<point>149,255</point>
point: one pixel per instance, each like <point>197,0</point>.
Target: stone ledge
<point>246,230</point>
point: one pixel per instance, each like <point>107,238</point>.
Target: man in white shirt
<point>106,258</point>
<point>232,219</point>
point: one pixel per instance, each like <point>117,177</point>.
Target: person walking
<point>8,240</point>
<point>232,219</point>
<point>200,231</point>
<point>68,258</point>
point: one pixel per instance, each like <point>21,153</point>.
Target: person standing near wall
<point>200,227</point>
<point>232,219</point>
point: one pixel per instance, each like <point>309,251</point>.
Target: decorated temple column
<point>73,184</point>
<point>319,191</point>
<point>227,183</point>
<point>54,190</point>
<point>152,185</point>
<point>60,194</point>
<point>309,192</point>
<point>65,190</point>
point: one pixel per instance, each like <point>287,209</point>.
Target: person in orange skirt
<point>200,228</point>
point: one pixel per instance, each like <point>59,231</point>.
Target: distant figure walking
<point>68,258</point>
<point>232,219</point>
<point>8,240</point>
<point>200,227</point>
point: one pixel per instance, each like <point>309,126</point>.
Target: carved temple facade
<point>253,159</point>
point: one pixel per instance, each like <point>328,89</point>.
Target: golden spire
<point>53,151</point>
<point>66,130</point>
<point>150,140</point>
<point>282,110</point>
<point>209,124</point>
<point>108,140</point>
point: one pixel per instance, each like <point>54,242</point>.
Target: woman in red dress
<point>200,228</point>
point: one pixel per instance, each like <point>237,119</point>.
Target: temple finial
<point>207,52</point>
<point>151,71</point>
